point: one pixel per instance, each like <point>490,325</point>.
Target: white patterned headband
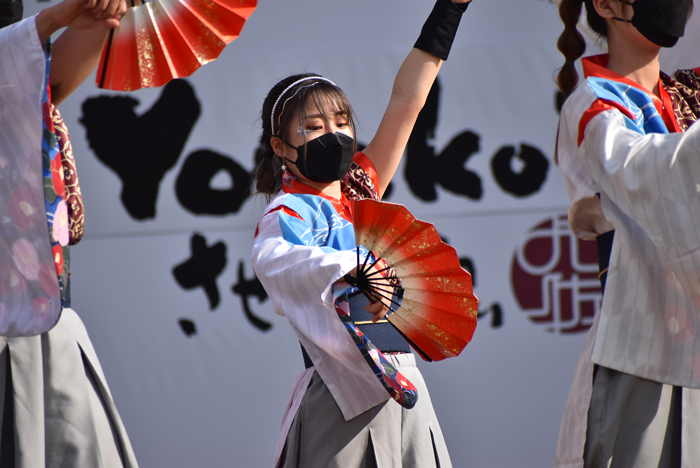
<point>274,107</point>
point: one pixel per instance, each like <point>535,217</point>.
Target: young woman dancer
<point>634,182</point>
<point>339,414</point>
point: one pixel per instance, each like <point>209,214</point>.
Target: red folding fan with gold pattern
<point>439,310</point>
<point>166,39</point>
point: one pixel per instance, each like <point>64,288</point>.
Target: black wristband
<point>440,28</point>
<point>10,13</point>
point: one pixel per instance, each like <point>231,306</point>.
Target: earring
<point>287,177</point>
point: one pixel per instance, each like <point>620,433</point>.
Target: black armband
<point>440,28</point>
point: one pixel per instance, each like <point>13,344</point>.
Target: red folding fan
<point>166,39</point>
<point>438,312</point>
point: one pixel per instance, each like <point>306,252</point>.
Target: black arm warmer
<point>440,28</point>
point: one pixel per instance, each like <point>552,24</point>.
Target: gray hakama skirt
<point>638,423</point>
<point>55,403</point>
<point>384,436</point>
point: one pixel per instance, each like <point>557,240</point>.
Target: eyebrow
<point>320,116</point>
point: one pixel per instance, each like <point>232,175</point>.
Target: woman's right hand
<point>80,14</point>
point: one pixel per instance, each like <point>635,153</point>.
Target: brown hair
<point>571,43</point>
<point>322,93</point>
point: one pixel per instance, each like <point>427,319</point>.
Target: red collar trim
<point>595,66</point>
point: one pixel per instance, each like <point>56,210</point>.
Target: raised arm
<point>77,51</point>
<point>411,88</point>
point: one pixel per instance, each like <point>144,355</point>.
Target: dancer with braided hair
<point>340,413</point>
<point>630,153</point>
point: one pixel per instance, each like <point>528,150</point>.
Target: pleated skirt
<point>55,406</point>
<point>638,423</point>
<point>386,436</point>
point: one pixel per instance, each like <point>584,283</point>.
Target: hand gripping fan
<point>166,39</point>
<point>438,313</point>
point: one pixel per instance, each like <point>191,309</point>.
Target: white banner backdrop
<point>210,391</point>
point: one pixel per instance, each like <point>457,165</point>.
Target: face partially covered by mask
<point>10,12</point>
<point>660,21</point>
<point>326,159</point>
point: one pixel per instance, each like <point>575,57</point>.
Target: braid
<point>571,44</point>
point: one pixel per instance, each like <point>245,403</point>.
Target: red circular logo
<point>555,278</point>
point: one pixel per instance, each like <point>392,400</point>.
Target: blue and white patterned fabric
<point>321,226</point>
<point>638,102</point>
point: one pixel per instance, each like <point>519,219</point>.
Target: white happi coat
<point>613,141</point>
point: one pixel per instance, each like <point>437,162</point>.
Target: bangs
<point>327,98</point>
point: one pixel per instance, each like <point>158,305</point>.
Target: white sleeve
<point>299,281</point>
<point>653,179</point>
<point>29,292</point>
<point>23,63</point>
<point>586,218</point>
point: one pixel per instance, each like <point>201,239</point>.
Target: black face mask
<point>660,21</point>
<point>327,157</point>
<point>10,12</point>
